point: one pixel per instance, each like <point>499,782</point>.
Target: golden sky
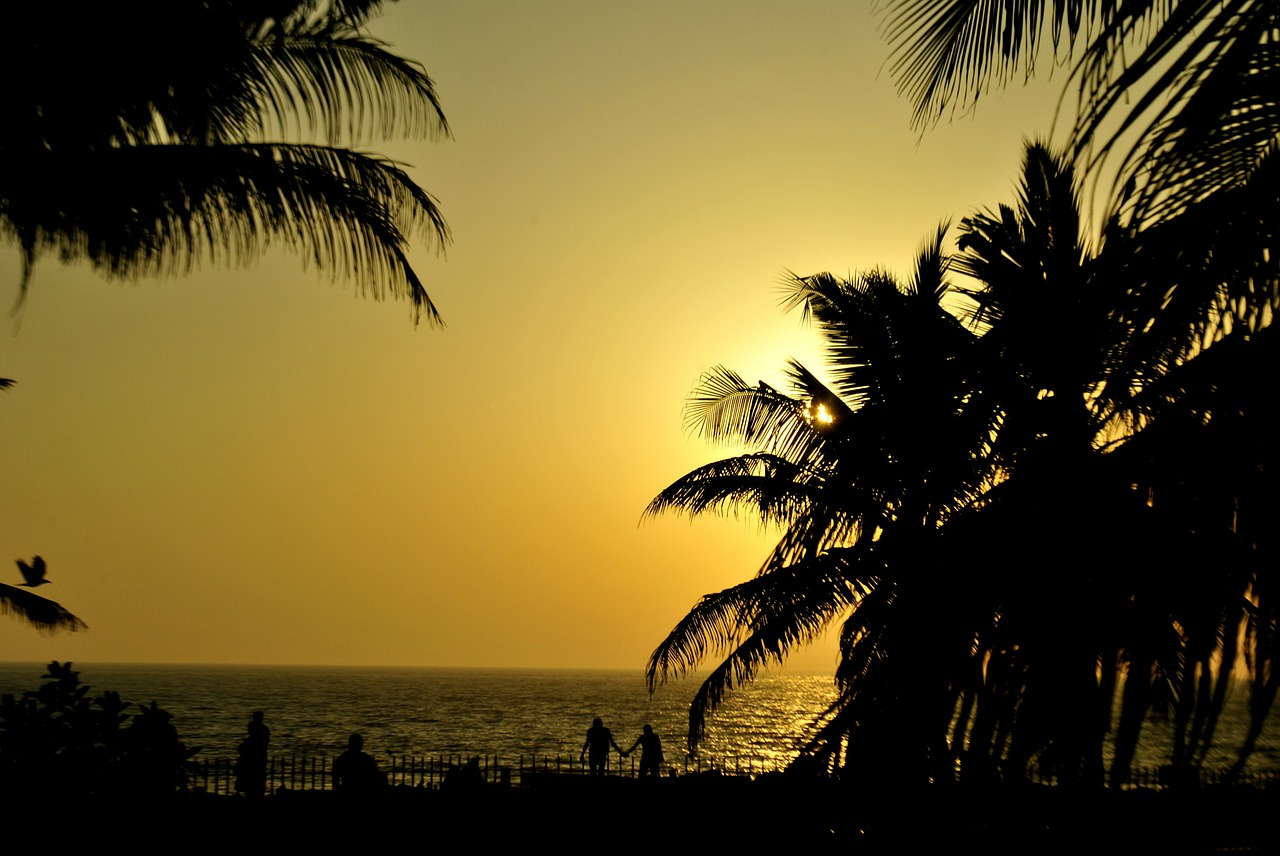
<point>254,466</point>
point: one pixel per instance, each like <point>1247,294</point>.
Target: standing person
<point>650,752</point>
<point>599,739</point>
<point>251,765</point>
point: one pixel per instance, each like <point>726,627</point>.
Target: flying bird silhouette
<point>32,573</point>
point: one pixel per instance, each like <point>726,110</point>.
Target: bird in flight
<point>32,573</point>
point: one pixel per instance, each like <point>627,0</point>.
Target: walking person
<point>599,739</point>
<point>650,752</point>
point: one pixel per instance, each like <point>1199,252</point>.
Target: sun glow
<point>819,413</point>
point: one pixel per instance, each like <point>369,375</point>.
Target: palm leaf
<point>1207,111</point>
<point>347,88</point>
<point>43,614</point>
<point>724,410</point>
<point>775,488</point>
<point>1188,88</point>
<point>948,53</point>
<point>150,143</point>
<point>755,623</point>
<point>166,209</point>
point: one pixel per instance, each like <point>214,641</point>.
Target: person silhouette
<point>465,778</point>
<point>650,752</point>
<point>355,771</point>
<point>251,765</point>
<point>599,739</point>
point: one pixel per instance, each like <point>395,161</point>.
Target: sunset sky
<point>255,466</point>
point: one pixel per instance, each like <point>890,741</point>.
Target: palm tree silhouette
<point>148,142</point>
<point>859,474</point>
<point>1016,517</point>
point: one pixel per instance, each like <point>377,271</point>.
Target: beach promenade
<point>775,813</point>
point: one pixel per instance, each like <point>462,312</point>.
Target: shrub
<point>59,740</point>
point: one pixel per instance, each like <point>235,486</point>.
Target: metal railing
<point>312,773</point>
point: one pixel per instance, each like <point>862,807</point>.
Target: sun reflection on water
<point>753,719</point>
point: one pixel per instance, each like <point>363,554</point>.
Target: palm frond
<point>725,409</point>
<point>715,623</point>
<point>929,277</point>
<point>1194,282</point>
<point>856,320</point>
<point>166,209</point>
<point>948,53</point>
<point>1207,110</point>
<point>236,116</point>
<point>776,489</point>
<point>873,327</point>
<point>349,89</point>
<point>1187,88</point>
<point>41,613</point>
<point>834,520</point>
<point>755,623</point>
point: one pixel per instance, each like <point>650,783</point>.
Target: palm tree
<point>1095,529</point>
<point>1014,516</point>
<point>148,142</point>
<point>1182,99</point>
<point>858,475</point>
<point>1184,94</point>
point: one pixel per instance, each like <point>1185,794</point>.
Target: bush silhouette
<point>58,740</point>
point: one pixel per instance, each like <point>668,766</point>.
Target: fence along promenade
<point>313,773</point>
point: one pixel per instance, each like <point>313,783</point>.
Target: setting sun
<point>818,413</point>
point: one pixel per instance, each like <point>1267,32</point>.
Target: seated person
<point>355,771</point>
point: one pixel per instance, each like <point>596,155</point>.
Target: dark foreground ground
<point>577,815</point>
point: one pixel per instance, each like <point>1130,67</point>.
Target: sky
<point>258,466</point>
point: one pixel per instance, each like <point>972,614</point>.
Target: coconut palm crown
<point>1027,491</point>
<point>148,140</point>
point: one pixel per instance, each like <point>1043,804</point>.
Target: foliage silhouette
<point>148,143</point>
<point>1027,513</point>
<point>39,612</point>
<point>58,741</point>
<point>1184,93</point>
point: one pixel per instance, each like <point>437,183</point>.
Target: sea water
<point>509,713</point>
<point>433,712</point>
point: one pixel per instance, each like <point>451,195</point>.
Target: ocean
<point>436,712</point>
<point>507,713</point>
